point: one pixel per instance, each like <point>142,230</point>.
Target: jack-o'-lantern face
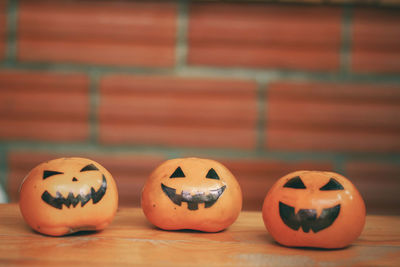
<point>191,193</point>
<point>195,196</point>
<point>75,195</point>
<point>67,195</point>
<point>314,209</point>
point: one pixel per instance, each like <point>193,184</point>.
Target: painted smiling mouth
<point>193,201</point>
<point>307,218</point>
<point>58,201</point>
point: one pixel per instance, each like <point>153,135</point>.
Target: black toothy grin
<point>59,200</point>
<point>307,218</point>
<point>193,201</point>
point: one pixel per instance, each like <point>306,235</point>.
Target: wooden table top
<point>130,239</point>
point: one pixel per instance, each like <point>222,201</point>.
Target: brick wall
<point>264,88</point>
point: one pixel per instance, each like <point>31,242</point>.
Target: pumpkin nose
<point>74,179</point>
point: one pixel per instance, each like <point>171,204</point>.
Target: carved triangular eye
<point>178,173</point>
<point>89,167</point>
<point>332,185</point>
<point>296,183</point>
<point>212,174</point>
<point>47,174</point>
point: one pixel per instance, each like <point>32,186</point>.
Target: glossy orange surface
<point>314,209</point>
<point>67,195</point>
<point>192,193</point>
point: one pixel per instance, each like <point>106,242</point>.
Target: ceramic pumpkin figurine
<point>314,209</point>
<point>192,193</point>
<point>67,195</point>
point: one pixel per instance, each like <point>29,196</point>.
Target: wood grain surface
<point>131,240</point>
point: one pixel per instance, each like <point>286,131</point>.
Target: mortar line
<point>261,116</point>
<point>210,72</point>
<point>94,101</point>
<point>168,151</point>
<point>346,40</point>
<point>72,67</point>
<point>339,164</point>
<point>11,28</point>
<point>3,170</point>
<point>181,45</point>
<point>181,48</point>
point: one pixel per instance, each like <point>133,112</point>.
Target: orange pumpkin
<point>192,193</point>
<point>314,209</point>
<point>67,195</point>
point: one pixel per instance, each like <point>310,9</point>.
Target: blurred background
<point>265,87</point>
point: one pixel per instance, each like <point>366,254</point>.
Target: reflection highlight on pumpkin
<point>192,193</point>
<point>51,193</point>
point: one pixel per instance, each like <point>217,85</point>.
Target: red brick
<point>111,33</point>
<point>129,171</point>
<point>376,40</point>
<point>379,184</point>
<point>333,117</point>
<point>3,24</point>
<point>177,111</point>
<point>256,176</point>
<point>264,36</point>
<point>43,106</point>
